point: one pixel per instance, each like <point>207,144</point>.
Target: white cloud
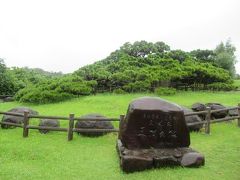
<point>64,35</point>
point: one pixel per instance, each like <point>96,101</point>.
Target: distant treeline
<point>138,67</point>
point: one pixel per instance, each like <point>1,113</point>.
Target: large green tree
<point>135,67</point>
<point>144,66</point>
<point>6,82</point>
<point>225,56</point>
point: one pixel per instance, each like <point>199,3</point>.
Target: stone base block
<point>141,159</point>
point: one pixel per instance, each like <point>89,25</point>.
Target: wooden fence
<point>71,118</point>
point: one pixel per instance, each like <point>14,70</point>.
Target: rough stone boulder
<point>216,106</point>
<point>16,119</point>
<point>192,119</point>
<point>48,123</point>
<point>199,107</point>
<point>154,134</point>
<point>154,122</point>
<point>192,159</point>
<point>233,112</point>
<point>96,124</point>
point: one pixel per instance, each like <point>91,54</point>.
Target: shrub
<point>118,91</point>
<point>221,87</point>
<point>22,92</point>
<point>165,91</point>
<point>46,96</point>
<point>54,90</point>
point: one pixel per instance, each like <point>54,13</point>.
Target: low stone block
<point>192,119</point>
<point>16,119</point>
<point>96,124</point>
<point>141,159</point>
<point>135,163</point>
<point>48,123</point>
<point>192,159</point>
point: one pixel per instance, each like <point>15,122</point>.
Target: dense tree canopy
<point>135,67</point>
<point>23,77</point>
<point>144,66</point>
<point>56,89</point>
<point>6,82</point>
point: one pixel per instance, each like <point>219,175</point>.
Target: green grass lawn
<point>237,82</point>
<point>51,156</point>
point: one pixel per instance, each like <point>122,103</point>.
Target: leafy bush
<point>119,91</point>
<point>55,90</point>
<point>46,96</point>
<point>221,87</point>
<point>6,81</point>
<point>165,91</point>
<point>22,92</point>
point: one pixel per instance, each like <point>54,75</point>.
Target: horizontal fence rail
<point>71,118</point>
<point>12,114</point>
<point>11,124</point>
<point>94,130</point>
<point>214,121</point>
<point>47,128</point>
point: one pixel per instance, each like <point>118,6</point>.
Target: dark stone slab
<point>141,159</point>
<point>163,161</point>
<point>233,112</point>
<point>154,134</point>
<point>192,119</point>
<point>154,123</point>
<point>216,106</point>
<point>136,163</point>
<point>97,124</point>
<point>16,119</point>
<point>199,107</point>
<point>48,123</point>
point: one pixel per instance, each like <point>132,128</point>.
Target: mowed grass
<point>237,83</point>
<point>51,156</point>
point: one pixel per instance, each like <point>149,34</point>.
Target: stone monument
<point>154,134</point>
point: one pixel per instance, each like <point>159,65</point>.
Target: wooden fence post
<point>25,124</point>
<point>238,123</point>
<point>70,129</point>
<point>208,118</point>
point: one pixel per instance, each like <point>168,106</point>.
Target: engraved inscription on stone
<point>158,129</point>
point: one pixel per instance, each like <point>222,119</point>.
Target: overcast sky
<point>65,35</point>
